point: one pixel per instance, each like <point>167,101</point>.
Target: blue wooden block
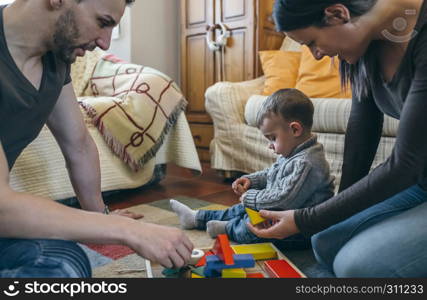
<point>214,264</point>
<point>211,273</point>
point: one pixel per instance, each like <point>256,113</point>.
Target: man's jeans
<point>388,239</point>
<point>42,259</point>
<point>238,232</point>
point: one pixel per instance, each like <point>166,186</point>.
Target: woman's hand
<point>278,225</point>
<point>241,185</point>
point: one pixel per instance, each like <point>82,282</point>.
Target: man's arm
<point>81,155</point>
<point>50,220</point>
<point>80,152</point>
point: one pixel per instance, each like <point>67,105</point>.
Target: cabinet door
<point>268,37</point>
<point>198,65</point>
<point>237,58</point>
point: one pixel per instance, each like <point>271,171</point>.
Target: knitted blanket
<point>133,107</point>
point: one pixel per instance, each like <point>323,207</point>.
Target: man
<point>39,39</point>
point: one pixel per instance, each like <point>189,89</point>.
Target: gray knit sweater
<point>300,180</point>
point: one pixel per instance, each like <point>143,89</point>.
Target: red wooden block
<point>202,261</point>
<point>280,269</point>
<point>254,275</point>
<point>223,250</point>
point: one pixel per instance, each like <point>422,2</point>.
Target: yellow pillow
<point>280,69</point>
<point>319,78</point>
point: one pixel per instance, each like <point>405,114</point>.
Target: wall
<point>150,35</point>
<point>121,46</point>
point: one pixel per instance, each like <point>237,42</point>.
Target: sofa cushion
<point>280,69</point>
<point>319,78</point>
<point>330,115</point>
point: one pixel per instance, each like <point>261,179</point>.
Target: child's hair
<point>291,105</point>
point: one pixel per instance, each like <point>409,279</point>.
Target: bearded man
<point>39,39</point>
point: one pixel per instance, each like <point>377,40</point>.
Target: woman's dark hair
<point>291,15</point>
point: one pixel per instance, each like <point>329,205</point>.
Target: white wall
<point>150,35</point>
<point>155,38</point>
<point>121,46</point>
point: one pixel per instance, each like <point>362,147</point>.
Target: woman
<point>376,226</point>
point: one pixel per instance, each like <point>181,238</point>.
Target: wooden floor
<point>179,182</point>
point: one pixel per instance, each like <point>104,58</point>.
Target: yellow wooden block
<point>193,275</point>
<point>254,216</point>
<point>261,251</point>
<point>233,273</point>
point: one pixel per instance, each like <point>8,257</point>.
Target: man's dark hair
<point>291,15</point>
<point>290,104</point>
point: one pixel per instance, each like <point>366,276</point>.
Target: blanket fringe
<point>119,149</point>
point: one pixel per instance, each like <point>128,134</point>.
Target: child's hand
<point>241,185</point>
<point>242,198</point>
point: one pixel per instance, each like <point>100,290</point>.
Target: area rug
<point>114,261</point>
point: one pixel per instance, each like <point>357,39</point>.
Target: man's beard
<point>66,36</point>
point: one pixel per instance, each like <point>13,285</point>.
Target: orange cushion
<point>319,78</point>
<point>280,69</point>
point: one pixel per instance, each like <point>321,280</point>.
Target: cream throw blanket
<point>134,107</point>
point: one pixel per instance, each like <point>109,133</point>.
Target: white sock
<point>215,228</point>
<point>187,216</point>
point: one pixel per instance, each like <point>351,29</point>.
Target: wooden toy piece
<point>148,268</point>
<point>233,273</point>
<point>223,250</point>
<point>193,275</point>
<point>254,275</point>
<point>280,269</point>
<point>214,264</point>
<point>196,255</point>
<point>254,216</point>
<point>212,273</point>
<point>202,261</point>
<point>260,251</point>
<point>199,271</point>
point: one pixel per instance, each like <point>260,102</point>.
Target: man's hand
<point>279,225</point>
<point>168,246</point>
<point>241,185</point>
<point>128,214</point>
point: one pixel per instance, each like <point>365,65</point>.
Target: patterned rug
<point>113,261</point>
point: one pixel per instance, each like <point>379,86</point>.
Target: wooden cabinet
<point>250,28</point>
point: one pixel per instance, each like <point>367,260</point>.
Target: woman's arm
<point>361,140</point>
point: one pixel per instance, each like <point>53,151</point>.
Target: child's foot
<point>187,216</point>
<point>215,228</point>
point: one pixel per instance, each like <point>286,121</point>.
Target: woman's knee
<point>323,253</point>
<point>355,260</point>
<point>395,247</point>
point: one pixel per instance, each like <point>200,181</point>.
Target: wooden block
<point>199,271</point>
<point>254,275</point>
<point>280,269</point>
<point>260,251</point>
<point>254,216</point>
<point>223,250</point>
<point>202,261</point>
<point>233,273</point>
<point>214,264</point>
<point>196,256</point>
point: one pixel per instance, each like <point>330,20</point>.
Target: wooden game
<point>226,260</point>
